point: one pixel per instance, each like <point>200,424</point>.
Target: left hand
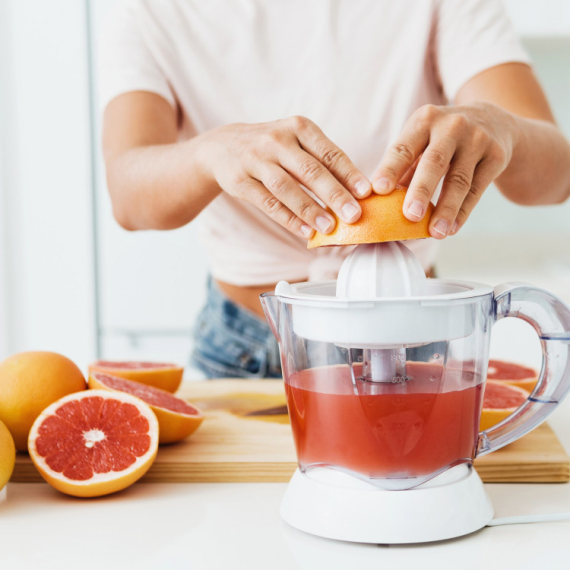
<point>470,145</point>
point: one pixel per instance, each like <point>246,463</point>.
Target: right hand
<point>264,164</point>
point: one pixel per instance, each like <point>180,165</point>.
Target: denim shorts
<point>233,342</point>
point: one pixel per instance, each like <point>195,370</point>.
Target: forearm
<point>539,170</point>
<point>156,183</point>
<point>159,186</point>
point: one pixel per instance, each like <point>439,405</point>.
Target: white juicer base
<point>334,505</point>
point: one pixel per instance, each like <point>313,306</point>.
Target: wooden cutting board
<point>237,444</point>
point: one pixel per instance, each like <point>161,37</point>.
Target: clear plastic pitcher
<point>390,390</point>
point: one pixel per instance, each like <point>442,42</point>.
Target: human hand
<point>264,164</point>
<point>470,145</point>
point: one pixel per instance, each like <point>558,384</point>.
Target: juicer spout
<point>270,304</point>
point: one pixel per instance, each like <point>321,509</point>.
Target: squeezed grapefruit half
<point>94,443</point>
<point>382,220</point>
<point>500,400</point>
<point>177,419</point>
<point>161,375</point>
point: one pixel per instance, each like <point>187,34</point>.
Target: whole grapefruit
<point>31,381</point>
<point>7,455</point>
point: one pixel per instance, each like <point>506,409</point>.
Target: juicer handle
<point>550,318</point>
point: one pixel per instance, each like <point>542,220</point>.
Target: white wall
<point>47,266</point>
<point>496,215</point>
<point>539,18</point>
<point>152,283</point>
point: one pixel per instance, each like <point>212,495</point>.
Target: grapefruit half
<point>500,401</point>
<point>94,443</point>
<point>382,219</point>
<point>177,419</point>
<point>161,375</point>
<point>513,374</point>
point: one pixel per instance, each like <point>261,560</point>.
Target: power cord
<point>527,519</point>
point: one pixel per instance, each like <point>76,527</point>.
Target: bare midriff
<point>247,297</point>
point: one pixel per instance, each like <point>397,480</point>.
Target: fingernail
<point>323,224</point>
<point>349,212</point>
<point>362,187</point>
<point>441,227</point>
<point>307,231</point>
<point>416,209</point>
<point>454,227</point>
<point>381,184</point>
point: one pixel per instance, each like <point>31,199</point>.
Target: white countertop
<point>222,526</point>
<point>236,525</point>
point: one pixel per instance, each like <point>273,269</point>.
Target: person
<point>263,117</point>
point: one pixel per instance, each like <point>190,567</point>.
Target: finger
<point>256,193</point>
<point>401,155</point>
<point>319,180</point>
<point>287,191</point>
<point>485,172</point>
<point>456,187</point>
<point>316,143</point>
<point>430,170</point>
<point>407,178</point>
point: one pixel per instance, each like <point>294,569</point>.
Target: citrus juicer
<point>384,373</point>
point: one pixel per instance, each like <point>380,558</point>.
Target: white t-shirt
<point>357,68</point>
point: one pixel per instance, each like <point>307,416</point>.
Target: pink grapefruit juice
<point>382,430</point>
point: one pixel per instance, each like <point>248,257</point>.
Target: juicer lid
<point>436,291</point>
<point>449,310</point>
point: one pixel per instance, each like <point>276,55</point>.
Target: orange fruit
<point>382,219</point>
<point>500,401</point>
<point>513,374</point>
<point>29,382</point>
<point>7,455</point>
<point>94,443</point>
<point>158,374</point>
<point>177,419</point>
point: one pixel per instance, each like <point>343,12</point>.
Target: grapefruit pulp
<point>513,374</point>
<point>177,419</point>
<point>94,443</point>
<point>500,400</point>
<point>158,374</point>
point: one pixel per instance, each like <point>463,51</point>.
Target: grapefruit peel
<point>7,455</point>
<point>165,376</point>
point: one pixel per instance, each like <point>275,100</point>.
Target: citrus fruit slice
<point>7,455</point>
<point>513,374</point>
<point>158,374</point>
<point>30,381</point>
<point>177,419</point>
<point>382,219</point>
<point>94,443</point>
<point>499,401</point>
